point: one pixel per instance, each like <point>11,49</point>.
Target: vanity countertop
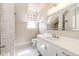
<point>69,44</point>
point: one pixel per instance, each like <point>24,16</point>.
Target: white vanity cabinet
<point>47,48</point>
<point>54,50</point>
<point>41,46</point>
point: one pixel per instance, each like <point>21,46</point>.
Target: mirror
<point>77,17</point>
<point>66,19</point>
<point>52,23</point>
<point>69,18</point>
<point>55,22</point>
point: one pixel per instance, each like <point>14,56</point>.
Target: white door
<point>7,29</point>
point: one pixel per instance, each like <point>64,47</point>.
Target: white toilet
<point>34,42</point>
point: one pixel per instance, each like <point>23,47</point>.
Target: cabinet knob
<point>2,46</point>
<point>65,54</point>
<point>45,47</point>
<point>56,54</point>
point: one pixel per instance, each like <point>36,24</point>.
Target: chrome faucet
<point>55,36</point>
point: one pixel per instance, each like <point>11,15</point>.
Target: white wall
<point>23,35</point>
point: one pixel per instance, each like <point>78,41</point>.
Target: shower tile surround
<point>7,27</point>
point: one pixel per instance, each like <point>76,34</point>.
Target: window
<point>31,25</point>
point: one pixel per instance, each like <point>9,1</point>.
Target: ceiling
<point>51,5</point>
<point>41,6</point>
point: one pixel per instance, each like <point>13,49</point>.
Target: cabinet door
<point>52,49</point>
<point>7,29</point>
<point>41,46</point>
<point>63,52</point>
